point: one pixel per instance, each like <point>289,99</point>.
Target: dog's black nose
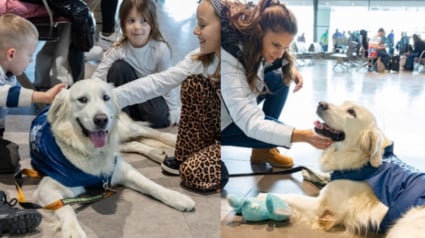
<point>322,106</point>
<point>100,120</point>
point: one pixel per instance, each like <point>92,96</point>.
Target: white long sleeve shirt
<point>143,89</point>
<point>239,105</point>
<point>152,58</point>
<point>11,95</point>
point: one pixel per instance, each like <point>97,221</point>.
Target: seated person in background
<point>364,42</point>
<point>377,44</point>
<point>418,47</point>
<point>403,45</point>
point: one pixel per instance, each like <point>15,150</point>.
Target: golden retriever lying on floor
<point>76,145</point>
<point>370,189</point>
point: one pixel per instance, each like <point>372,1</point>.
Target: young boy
<point>18,40</point>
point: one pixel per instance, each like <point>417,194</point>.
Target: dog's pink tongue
<point>318,124</point>
<point>98,138</point>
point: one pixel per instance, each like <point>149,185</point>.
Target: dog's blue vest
<point>396,184</point>
<point>47,157</point>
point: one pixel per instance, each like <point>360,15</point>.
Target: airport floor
<point>396,99</point>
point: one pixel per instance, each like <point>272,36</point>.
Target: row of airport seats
<point>350,56</point>
<point>306,54</point>
<point>419,66</point>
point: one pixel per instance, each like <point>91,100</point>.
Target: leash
<point>56,204</point>
<point>319,181</point>
<point>283,171</point>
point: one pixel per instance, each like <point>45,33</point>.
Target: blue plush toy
<point>260,209</point>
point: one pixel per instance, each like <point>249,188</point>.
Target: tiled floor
<point>128,213</point>
<point>397,100</point>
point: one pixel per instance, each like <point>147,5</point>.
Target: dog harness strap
<point>78,200</point>
<point>54,205</point>
<point>284,171</point>
<point>19,182</point>
<point>59,203</point>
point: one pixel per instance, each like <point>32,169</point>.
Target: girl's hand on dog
<point>48,96</point>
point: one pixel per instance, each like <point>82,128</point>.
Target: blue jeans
<point>272,107</point>
<point>410,61</point>
<point>155,110</point>
<point>385,57</point>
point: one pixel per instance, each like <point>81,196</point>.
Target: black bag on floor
<point>9,157</point>
<point>83,27</point>
<point>224,175</point>
<point>394,63</point>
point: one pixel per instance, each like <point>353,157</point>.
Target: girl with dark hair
<point>141,51</point>
<point>255,40</point>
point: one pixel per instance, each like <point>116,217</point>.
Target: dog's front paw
<point>72,230</point>
<point>181,202</point>
<point>168,138</point>
<point>318,178</point>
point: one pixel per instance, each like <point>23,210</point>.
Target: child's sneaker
<point>106,41</point>
<point>171,166</point>
<point>95,54</point>
<point>102,44</point>
<point>16,221</point>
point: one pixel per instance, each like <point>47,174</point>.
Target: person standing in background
<point>390,42</point>
<point>108,35</point>
<point>324,40</point>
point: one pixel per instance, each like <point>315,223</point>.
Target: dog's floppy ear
<point>59,106</point>
<point>371,143</point>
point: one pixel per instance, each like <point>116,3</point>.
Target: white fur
<point>348,203</point>
<point>84,100</point>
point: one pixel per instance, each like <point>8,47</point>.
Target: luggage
<point>394,63</point>
<point>380,66</point>
<point>9,157</point>
<point>402,62</point>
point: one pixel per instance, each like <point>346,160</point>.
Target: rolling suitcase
<point>394,63</point>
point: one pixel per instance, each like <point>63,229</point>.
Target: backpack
<point>394,63</point>
<point>82,21</point>
<point>9,157</point>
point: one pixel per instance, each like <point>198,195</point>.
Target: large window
<point>398,15</point>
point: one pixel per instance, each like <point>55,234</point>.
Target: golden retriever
<point>370,189</point>
<point>76,142</point>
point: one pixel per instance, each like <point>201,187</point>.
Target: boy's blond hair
<point>15,30</point>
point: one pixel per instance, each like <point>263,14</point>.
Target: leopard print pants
<point>198,138</point>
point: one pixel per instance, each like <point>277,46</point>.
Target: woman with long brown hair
<point>255,40</point>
